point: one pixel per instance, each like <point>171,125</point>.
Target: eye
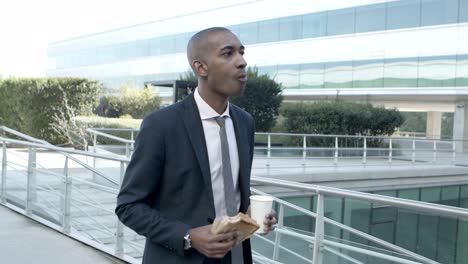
<point>227,53</point>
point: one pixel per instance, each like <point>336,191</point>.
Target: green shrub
<point>135,102</point>
<point>29,105</point>
<point>340,118</point>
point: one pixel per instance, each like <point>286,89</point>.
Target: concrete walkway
<point>24,241</point>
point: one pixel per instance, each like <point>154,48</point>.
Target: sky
<point>27,26</point>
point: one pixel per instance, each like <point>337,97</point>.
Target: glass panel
<point>181,41</point>
<point>291,28</point>
<point>268,70</point>
<point>268,31</point>
<point>370,18</point>
<point>167,45</point>
<point>248,33</point>
<point>155,47</point>
<point>368,73</point>
<point>356,215</point>
<point>339,74</point>
<point>142,48</point>
<point>407,222</point>
<point>437,12</point>
<point>401,72</point>
<point>314,25</point>
<point>462,240</point>
<point>447,227</point>
<point>462,70</point>
<point>234,29</point>
<point>437,71</point>
<point>312,75</point>
<point>403,14</point>
<point>288,76</point>
<point>296,219</point>
<point>428,225</point>
<point>463,11</point>
<point>340,22</point>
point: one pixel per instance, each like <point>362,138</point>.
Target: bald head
<point>198,45</point>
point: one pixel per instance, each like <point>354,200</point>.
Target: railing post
<point>434,153</point>
<point>119,234</point>
<point>413,153</point>
<point>454,152</point>
<point>30,186</point>
<point>66,205</point>
<point>390,152</point>
<point>304,151</point>
<point>4,171</point>
<point>319,231</point>
<point>127,150</point>
<point>335,161</point>
<point>94,158</point>
<point>268,150</point>
<point>132,136</point>
<point>364,153</point>
<point>277,245</point>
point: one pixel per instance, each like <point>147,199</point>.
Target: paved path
<point>24,241</point>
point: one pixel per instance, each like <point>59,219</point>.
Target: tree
<point>262,99</point>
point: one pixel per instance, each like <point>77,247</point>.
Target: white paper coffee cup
<point>260,206</point>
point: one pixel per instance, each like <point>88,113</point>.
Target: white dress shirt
<point>213,146</point>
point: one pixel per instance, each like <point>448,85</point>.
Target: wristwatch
<point>187,242</point>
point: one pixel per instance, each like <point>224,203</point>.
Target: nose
<point>241,63</point>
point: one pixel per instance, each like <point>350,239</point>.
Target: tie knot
<point>221,121</point>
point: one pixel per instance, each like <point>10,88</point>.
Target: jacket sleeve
<point>142,179</point>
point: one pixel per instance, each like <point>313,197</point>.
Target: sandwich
<point>242,223</point>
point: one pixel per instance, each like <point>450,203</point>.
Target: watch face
<point>187,242</point>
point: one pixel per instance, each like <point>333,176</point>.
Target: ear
<point>200,68</point>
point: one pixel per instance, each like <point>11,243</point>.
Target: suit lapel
<point>243,150</point>
<point>194,128</point>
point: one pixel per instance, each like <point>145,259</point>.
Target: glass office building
<point>312,48</point>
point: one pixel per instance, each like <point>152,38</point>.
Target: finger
<point>226,236</point>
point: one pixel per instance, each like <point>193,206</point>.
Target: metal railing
<point>283,150</point>
<point>72,204</point>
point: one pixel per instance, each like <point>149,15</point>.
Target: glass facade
<point>375,17</point>
<point>436,71</point>
<point>439,238</point>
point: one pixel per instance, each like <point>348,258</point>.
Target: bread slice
<point>240,222</point>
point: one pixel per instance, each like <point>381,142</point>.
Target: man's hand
<point>210,245</point>
<point>269,221</point>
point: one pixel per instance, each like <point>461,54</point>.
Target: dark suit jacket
<point>167,186</point>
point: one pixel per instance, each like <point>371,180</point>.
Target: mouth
<point>242,77</point>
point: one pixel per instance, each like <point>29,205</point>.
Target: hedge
<point>30,104</point>
<point>340,118</point>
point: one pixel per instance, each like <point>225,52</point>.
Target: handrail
<point>418,206</point>
<point>346,228</point>
<point>69,151</point>
<point>126,141</point>
<point>63,152</point>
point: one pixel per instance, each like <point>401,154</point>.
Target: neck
<point>217,101</point>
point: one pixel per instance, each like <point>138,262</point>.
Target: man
<point>192,163</point>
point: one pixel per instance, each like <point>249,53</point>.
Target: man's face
<point>225,63</point>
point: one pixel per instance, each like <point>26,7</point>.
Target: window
<point>314,25</point>
<point>403,14</point>
<point>401,72</point>
<point>370,18</point>
<point>167,45</point>
<point>437,12</point>
<point>268,31</point>
<point>312,75</point>
<point>288,76</point>
<point>462,70</point>
<point>368,74</point>
<point>340,22</point>
<point>463,11</point>
<point>437,71</point>
<point>339,74</point>
<point>248,33</point>
<point>181,41</point>
<point>291,28</point>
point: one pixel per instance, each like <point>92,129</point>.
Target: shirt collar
<point>206,111</point>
